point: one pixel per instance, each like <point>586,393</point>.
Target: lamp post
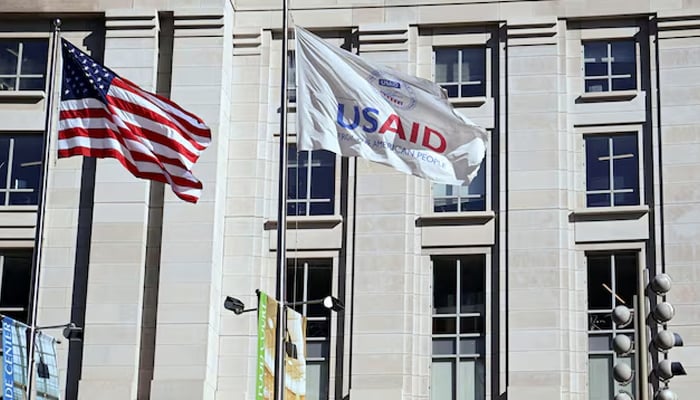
<point>237,306</point>
<point>70,332</point>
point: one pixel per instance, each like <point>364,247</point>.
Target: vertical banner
<point>295,357</point>
<point>15,364</point>
<point>267,327</point>
<point>8,363</point>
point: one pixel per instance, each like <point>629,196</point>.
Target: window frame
<point>609,77</point>
<point>485,196</point>
<point>610,134</point>
<point>455,256</point>
<point>307,200</point>
<point>459,83</point>
<point>7,191</point>
<point>14,309</point>
<point>18,76</point>
<point>614,329</point>
<point>303,259</point>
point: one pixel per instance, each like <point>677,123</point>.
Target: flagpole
<point>282,217</point>
<point>41,208</point>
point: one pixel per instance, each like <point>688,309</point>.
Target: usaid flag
<point>354,108</point>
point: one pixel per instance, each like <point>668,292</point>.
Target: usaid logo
<point>397,92</point>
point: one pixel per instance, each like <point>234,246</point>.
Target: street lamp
<point>238,307</point>
<point>70,332</point>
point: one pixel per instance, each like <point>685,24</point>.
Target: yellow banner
<point>267,326</point>
<point>295,357</point>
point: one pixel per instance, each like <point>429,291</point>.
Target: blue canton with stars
<point>83,77</point>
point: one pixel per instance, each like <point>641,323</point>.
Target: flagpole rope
<point>282,216</point>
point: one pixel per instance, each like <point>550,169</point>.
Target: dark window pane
<point>599,321</point>
<point>16,273</point>
<point>473,90</point>
<point>445,205</point>
<point>626,174</point>
<point>598,200</point>
<point>623,62</point>
<point>625,278</point>
<point>597,170</point>
<point>599,342</point>
<point>596,85</point>
<point>595,52</point>
<point>318,329</point>
<point>31,84</point>
<point>452,90</point>
<point>322,175</point>
<point>34,55</point>
<point>444,346</point>
<point>318,287</point>
<point>295,283</point>
<point>624,84</point>
<point>324,208</point>
<point>7,83</point>
<point>446,65</point>
<point>473,205</point>
<point>473,64</point>
<point>296,208</point>
<point>26,168</point>
<point>316,349</point>
<point>474,345</point>
<point>599,283</point>
<point>471,324</point>
<point>625,144</point>
<point>444,286</point>
<point>596,69</point>
<point>9,51</point>
<point>627,199</point>
<point>443,326</point>
<point>472,284</point>
<point>4,161</point>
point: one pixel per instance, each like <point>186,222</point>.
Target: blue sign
<point>8,365</point>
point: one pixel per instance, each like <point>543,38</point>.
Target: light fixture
<point>236,305</point>
<point>333,304</point>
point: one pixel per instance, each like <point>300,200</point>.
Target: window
<point>20,167</point>
<point>311,177</point>
<point>609,66</point>
<point>313,280</point>
<point>23,64</point>
<point>458,371</point>
<point>612,281</point>
<point>461,71</point>
<point>462,198</point>
<point>14,283</point>
<point>612,170</point>
<point>291,77</point>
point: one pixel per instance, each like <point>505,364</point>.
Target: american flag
<point>104,115</point>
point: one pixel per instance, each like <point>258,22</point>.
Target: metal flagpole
<point>282,218</point>
<point>41,208</point>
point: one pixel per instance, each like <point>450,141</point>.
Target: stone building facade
<point>499,291</point>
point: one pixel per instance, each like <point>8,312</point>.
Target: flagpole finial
<point>57,23</point>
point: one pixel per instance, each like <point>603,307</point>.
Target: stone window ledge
<point>307,222</point>
<point>467,101</point>
<point>21,95</point>
<point>617,95</point>
<point>9,209</point>
<point>455,218</point>
<point>609,213</point>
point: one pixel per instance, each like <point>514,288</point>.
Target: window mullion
<point>10,160</point>
<point>20,50</point>
<point>309,178</point>
<point>610,87</point>
<point>612,172</point>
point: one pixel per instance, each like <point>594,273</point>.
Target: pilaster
<point>111,345</point>
<point>538,237</point>
<point>190,299</point>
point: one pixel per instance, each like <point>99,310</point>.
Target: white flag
<point>355,108</point>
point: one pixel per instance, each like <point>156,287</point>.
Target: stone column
<point>120,223</point>
<point>679,180</point>
<point>387,311</point>
<point>190,298</point>
<point>539,243</point>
